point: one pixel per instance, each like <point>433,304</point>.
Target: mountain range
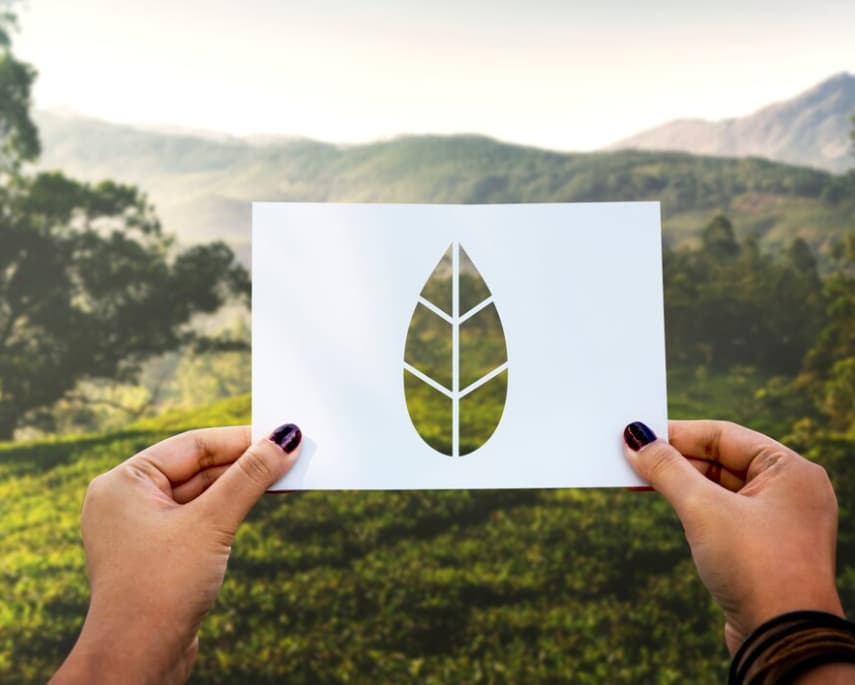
<point>202,186</point>
<point>810,129</point>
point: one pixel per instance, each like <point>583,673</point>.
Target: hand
<point>761,520</point>
<point>157,531</point>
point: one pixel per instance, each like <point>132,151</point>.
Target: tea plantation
<point>437,587</point>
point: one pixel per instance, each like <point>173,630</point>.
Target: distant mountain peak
<point>810,129</point>
<point>841,78</point>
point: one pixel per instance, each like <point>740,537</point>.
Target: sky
<point>559,74</point>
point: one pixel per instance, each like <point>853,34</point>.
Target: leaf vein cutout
<point>455,358</point>
<point>427,379</point>
<point>482,381</point>
<point>477,308</point>
<point>436,310</point>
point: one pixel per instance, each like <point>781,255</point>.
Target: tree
<point>829,369</point>
<point>90,285</point>
<point>19,141</point>
<point>718,240</point>
<point>726,304</point>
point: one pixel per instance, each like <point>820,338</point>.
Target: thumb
<point>235,492</point>
<point>668,471</point>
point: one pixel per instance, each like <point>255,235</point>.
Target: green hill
<point>589,586</point>
<point>202,186</point>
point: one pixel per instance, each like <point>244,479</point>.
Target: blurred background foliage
<point>113,336</point>
<point>91,288</point>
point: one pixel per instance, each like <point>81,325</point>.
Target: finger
<point>232,495</point>
<point>733,446</point>
<point>713,471</point>
<point>665,469</point>
<point>194,487</point>
<point>182,456</point>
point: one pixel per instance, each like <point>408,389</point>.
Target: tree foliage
<point>728,304</point>
<point>828,375</point>
<point>90,285</point>
<point>19,141</point>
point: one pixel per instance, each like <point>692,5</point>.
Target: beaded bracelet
<point>791,644</point>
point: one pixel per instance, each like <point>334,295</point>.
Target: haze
<point>555,74</point>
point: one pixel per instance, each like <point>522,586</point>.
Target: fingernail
<point>287,436</point>
<point>636,435</point>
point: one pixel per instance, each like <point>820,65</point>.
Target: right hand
<point>763,536</point>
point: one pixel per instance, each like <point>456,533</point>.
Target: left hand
<point>157,531</point>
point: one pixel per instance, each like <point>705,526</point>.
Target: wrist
<point>113,648</point>
<point>774,602</point>
<point>799,646</point>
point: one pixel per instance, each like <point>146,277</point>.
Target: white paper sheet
<point>578,289</point>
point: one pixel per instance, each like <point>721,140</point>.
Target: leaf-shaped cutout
<point>455,358</point>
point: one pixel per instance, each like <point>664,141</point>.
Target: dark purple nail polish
<point>287,437</point>
<point>636,435</point>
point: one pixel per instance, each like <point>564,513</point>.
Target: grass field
<point>521,586</point>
